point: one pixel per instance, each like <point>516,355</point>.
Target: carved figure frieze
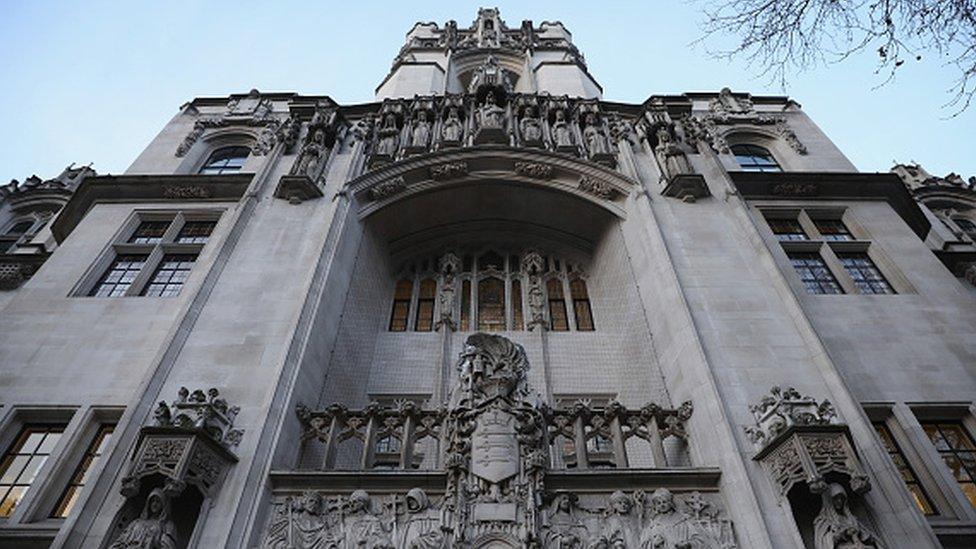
<point>448,170</point>
<point>452,131</point>
<point>388,188</point>
<point>498,443</point>
<point>596,187</point>
<point>535,170</point>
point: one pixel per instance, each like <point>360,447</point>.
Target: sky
<point>94,82</point>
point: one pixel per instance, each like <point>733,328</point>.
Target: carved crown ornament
<point>801,441</point>
<point>496,442</point>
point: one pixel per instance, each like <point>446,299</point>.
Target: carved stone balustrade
<point>799,441</point>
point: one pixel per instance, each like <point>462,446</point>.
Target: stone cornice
<point>147,188</point>
<point>795,186</point>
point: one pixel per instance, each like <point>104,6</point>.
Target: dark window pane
<point>22,462</point>
<point>491,305</point>
<point>558,320</point>
<point>833,229</point>
<point>812,270</point>
<point>518,322</point>
<point>401,305</point>
<point>907,474</point>
<point>225,160</point>
<point>867,277</point>
<point>119,276</point>
<point>425,306</point>
<point>20,227</point>
<point>465,305</point>
<point>195,232</point>
<point>170,276</point>
<point>581,305</point>
<point>958,452</point>
<point>787,229</point>
<point>149,232</point>
<point>753,158</point>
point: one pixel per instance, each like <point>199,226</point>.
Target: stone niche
<point>178,465</point>
<point>495,484</point>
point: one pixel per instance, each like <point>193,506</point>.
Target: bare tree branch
<point>781,37</point>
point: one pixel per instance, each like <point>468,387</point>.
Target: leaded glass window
<point>23,461</point>
<point>119,275</point>
<point>753,158</point>
<point>558,320</point>
<point>787,229</point>
<point>491,305</point>
<point>866,275</point>
<point>958,452</point>
<point>425,305</point>
<point>93,454</point>
<point>401,306</point>
<point>225,160</point>
<point>170,275</point>
<point>814,274</point>
<point>907,473</point>
<point>833,229</point>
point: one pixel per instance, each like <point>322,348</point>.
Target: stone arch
<point>491,165</point>
<point>216,139</point>
<point>495,540</point>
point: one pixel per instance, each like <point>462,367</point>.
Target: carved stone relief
<point>247,112</point>
<point>448,170</point>
<point>837,527</point>
<point>535,170</point>
<point>388,188</point>
<point>448,266</point>
<point>597,188</point>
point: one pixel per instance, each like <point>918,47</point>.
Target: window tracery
<point>499,291</point>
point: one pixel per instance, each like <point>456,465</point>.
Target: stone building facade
<point>489,309</point>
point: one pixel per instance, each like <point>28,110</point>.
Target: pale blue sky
<point>95,81</point>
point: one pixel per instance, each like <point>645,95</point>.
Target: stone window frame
<point>558,266</point>
<point>9,242</point>
<point>963,413</point>
<point>31,507</point>
<point>154,252</point>
<point>807,215</point>
<point>911,440</point>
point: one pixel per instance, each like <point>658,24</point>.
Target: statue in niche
<point>561,133</point>
<point>530,127</point>
<point>389,136</point>
<point>450,264</point>
<point>670,157</point>
<point>312,156</point>
<point>451,131</point>
<point>563,529</point>
<point>153,529</point>
<point>596,141</point>
<point>363,527</point>
<point>490,114</point>
<point>423,527</point>
<point>421,131</point>
<point>533,265</point>
<point>836,527</point>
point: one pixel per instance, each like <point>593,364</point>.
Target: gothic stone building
<point>489,309</point>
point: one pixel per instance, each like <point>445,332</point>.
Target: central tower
<point>436,60</point>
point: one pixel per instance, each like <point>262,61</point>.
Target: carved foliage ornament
<point>449,170</point>
<point>260,115</point>
<point>388,188</point>
<point>596,187</point>
<point>784,408</point>
<point>201,411</point>
<point>535,170</point>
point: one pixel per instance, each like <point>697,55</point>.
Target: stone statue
<point>670,157</point>
<point>617,525</point>
<point>421,131</point>
<point>312,156</point>
<point>665,529</point>
<point>422,529</point>
<point>153,529</point>
<point>491,115</point>
<point>530,127</point>
<point>563,528</point>
<point>561,133</point>
<point>450,264</point>
<point>596,141</point>
<point>836,527</point>
<point>389,136</point>
<point>363,527</point>
<point>452,129</point>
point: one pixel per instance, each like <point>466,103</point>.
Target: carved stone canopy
<point>800,442</point>
<point>206,413</point>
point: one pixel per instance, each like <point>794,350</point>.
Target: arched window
<point>401,306</point>
<point>558,322</point>
<point>425,306</point>
<point>581,305</point>
<point>465,305</point>
<point>517,320</point>
<point>20,227</point>
<point>753,158</point>
<point>225,160</point>
<point>491,305</point>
